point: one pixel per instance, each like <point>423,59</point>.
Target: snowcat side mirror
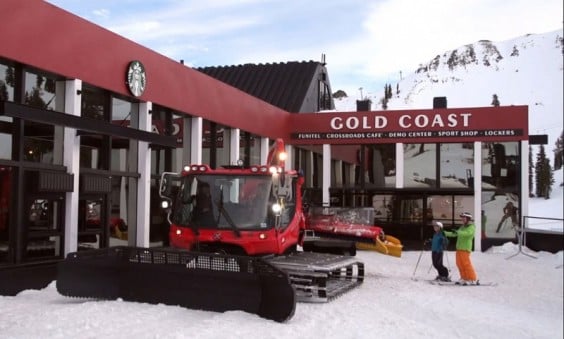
<point>164,189</point>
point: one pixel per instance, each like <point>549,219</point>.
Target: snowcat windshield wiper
<point>223,211</point>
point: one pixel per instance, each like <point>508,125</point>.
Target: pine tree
<point>544,175</point>
<point>559,152</point>
<point>538,169</point>
<point>547,178</point>
<point>531,194</point>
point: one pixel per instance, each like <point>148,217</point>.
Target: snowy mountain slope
<point>523,71</point>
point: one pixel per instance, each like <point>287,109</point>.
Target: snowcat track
<point>194,280</point>
<point>320,277</point>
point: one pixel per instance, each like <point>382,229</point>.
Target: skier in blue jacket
<point>439,243</point>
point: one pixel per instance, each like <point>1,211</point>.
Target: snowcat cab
<point>250,211</point>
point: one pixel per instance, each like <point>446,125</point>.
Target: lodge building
<point>89,120</point>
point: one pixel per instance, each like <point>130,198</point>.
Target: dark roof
<point>284,85</point>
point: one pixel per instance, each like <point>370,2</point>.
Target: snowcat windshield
<point>224,201</point>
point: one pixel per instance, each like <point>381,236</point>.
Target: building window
<point>40,90</point>
<point>383,206</point>
<point>215,146</point>
<point>40,144</point>
<point>44,225</point>
<point>381,164</point>
<point>6,137</point>
<point>451,167</point>
<point>420,165</point>
<point>7,78</point>
<point>5,205</point>
<point>249,150</point>
<point>324,97</point>
<point>447,208</point>
<point>94,103</point>
<point>124,113</point>
<point>456,165</point>
<point>500,214</point>
<point>500,166</point>
<point>123,209</point>
<point>124,157</point>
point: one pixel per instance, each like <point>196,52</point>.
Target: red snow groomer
<point>243,239</point>
<point>259,211</point>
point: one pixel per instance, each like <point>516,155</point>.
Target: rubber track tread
<point>204,281</point>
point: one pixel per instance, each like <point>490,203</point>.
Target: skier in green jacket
<point>464,240</point>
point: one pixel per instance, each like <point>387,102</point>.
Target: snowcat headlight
<point>262,236</point>
<point>194,167</point>
<point>264,169</point>
<point>254,169</point>
<point>186,168</point>
<point>282,156</point>
<point>178,232</point>
<point>276,208</point>
<point>165,204</point>
<point>273,170</point>
<point>202,168</point>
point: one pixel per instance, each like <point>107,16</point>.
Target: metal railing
<point>544,223</point>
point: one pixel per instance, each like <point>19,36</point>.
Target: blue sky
<point>366,43</point>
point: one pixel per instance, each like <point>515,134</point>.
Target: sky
<point>365,43</point>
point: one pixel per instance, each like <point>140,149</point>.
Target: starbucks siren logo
<point>136,78</point>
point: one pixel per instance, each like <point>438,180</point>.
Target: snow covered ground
<point>395,301</point>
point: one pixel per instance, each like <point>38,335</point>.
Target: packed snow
<point>395,301</point>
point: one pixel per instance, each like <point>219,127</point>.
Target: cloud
<point>102,13</point>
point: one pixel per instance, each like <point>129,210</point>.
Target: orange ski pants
<point>464,265</point>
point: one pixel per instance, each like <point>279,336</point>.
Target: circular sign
<point>136,79</point>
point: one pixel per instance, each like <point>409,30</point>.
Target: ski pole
<point>416,265</point>
<point>418,260</point>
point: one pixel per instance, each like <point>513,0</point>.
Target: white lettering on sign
<point>423,121</point>
<point>337,123</point>
<point>405,121</point>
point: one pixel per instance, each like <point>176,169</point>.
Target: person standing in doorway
<point>464,241</point>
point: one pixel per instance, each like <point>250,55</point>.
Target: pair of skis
<point>454,283</point>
